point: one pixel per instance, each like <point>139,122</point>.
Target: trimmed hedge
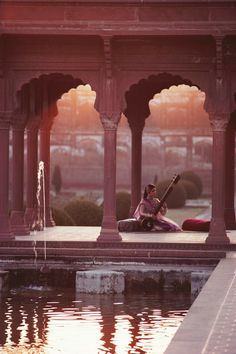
<point>84,212</point>
<point>176,198</point>
<point>57,179</point>
<point>61,217</point>
<point>190,189</point>
<point>122,205</point>
<point>194,178</point>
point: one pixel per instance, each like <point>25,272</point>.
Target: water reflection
<point>51,322</point>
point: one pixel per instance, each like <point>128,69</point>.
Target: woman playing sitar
<point>151,211</point>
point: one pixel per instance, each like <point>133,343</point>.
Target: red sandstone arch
<point>139,94</point>
<point>55,84</point>
<point>36,109</point>
<point>137,111</point>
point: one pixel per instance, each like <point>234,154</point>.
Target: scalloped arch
<point>30,97</point>
<point>139,94</point>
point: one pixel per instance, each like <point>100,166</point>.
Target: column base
<point>220,239</point>
<point>49,219</point>
<point>217,233</point>
<point>18,225</point>
<point>109,231</point>
<point>109,235</point>
<point>30,217</point>
<point>5,228</point>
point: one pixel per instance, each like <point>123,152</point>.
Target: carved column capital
<point>110,120</point>
<point>219,125</point>
<point>19,120</point>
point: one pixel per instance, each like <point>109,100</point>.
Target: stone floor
<point>90,233</point>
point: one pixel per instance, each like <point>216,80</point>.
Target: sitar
<point>147,223</point>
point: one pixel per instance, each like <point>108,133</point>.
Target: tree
<point>56,179</point>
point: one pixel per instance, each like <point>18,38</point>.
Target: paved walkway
<point>210,325</point>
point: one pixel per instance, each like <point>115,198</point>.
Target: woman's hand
<point>163,209</point>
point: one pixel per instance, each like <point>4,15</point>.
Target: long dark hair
<point>148,189</point>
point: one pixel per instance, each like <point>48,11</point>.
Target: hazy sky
<point>177,107</point>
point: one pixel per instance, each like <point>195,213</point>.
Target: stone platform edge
<point>196,333</point>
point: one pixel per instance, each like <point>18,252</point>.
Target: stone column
<point>136,168</point>
<point>229,213</point>
<point>31,175</point>
<point>5,229</point>
<point>109,230</point>
<point>45,157</point>
<point>217,233</point>
<point>17,214</point>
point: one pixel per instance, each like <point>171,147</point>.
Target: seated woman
<point>147,208</point>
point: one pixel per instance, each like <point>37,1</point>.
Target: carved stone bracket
<point>110,120</point>
<point>217,102</point>
<point>107,56</point>
<point>219,57</point>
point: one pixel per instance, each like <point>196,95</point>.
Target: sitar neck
<point>167,192</point>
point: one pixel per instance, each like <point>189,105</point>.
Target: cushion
<point>128,225</point>
<point>196,225</point>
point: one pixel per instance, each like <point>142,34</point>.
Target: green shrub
<point>84,212</point>
<point>194,178</point>
<point>190,189</point>
<point>176,198</point>
<point>122,205</point>
<point>61,217</point>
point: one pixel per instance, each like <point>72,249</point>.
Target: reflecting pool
<point>40,320</point>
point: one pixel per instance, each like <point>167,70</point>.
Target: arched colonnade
<point>33,108</point>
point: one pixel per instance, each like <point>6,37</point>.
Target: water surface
<point>40,320</point>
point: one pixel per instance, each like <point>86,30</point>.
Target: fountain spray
<point>41,214</point>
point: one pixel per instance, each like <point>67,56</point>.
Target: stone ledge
<point>100,282</point>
